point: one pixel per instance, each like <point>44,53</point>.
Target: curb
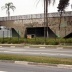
<point>7,61</point>
<point>36,46</point>
<point>11,45</point>
<point>64,66</point>
<point>44,64</point>
<point>51,46</point>
<point>21,62</point>
<point>40,64</point>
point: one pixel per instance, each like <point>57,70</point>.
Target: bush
<point>52,42</point>
<point>49,41</point>
<point>68,40</point>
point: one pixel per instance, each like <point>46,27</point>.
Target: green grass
<point>37,59</point>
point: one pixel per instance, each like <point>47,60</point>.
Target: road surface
<point>67,53</point>
<point>11,67</point>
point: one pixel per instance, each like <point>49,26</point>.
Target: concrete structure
<point>39,32</point>
<point>21,22</point>
<point>5,32</point>
<point>8,32</point>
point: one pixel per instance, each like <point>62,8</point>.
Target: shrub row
<point>48,41</point>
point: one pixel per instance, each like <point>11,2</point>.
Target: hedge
<point>49,41</point>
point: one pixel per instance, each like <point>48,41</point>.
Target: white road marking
<point>6,51</point>
<point>41,47</point>
<point>3,71</point>
<point>12,46</point>
<point>26,47</point>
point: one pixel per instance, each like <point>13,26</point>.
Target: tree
<point>61,8</point>
<point>8,6</point>
<point>46,4</point>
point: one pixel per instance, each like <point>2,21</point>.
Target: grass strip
<point>37,59</point>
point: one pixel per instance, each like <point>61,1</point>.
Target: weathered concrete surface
<point>21,22</point>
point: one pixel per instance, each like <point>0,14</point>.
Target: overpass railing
<point>32,16</point>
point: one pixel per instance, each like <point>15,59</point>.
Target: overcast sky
<point>24,7</point>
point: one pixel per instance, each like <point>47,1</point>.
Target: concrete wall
<point>22,22</point>
<point>4,32</point>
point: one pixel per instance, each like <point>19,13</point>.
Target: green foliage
<point>1,40</point>
<point>52,42</point>
<point>49,41</point>
<point>68,40</point>
<point>62,5</point>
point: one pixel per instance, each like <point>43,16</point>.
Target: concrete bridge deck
<point>21,22</point>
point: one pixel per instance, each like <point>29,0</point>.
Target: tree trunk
<point>47,18</point>
<point>8,13</point>
<point>60,19</point>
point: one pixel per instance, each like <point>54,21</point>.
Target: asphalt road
<point>67,53</point>
<point>11,67</point>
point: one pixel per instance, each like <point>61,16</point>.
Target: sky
<point>24,7</point>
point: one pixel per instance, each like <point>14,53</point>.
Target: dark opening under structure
<point>38,32</point>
